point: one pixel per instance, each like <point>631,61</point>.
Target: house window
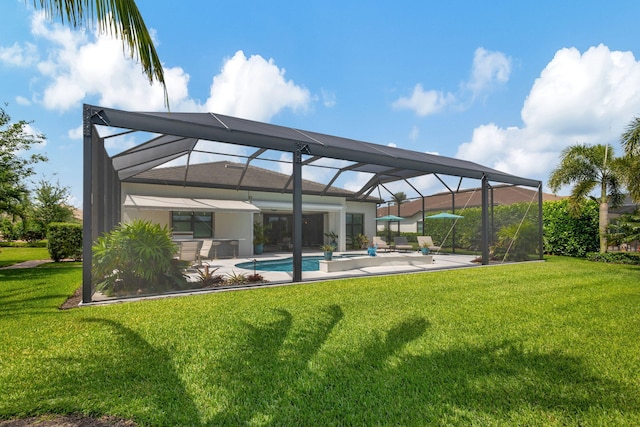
<point>354,225</point>
<point>420,225</point>
<point>200,223</point>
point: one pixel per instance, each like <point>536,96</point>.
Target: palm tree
<point>630,140</point>
<point>118,17</point>
<point>586,167</point>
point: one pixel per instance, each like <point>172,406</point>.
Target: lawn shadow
<point>30,291</point>
<point>463,386</point>
<point>122,372</point>
<point>269,376</point>
<point>271,380</point>
<point>257,379</point>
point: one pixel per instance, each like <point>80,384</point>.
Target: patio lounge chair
<point>380,243</point>
<point>205,249</point>
<point>190,251</point>
<point>428,241</point>
<point>402,244</point>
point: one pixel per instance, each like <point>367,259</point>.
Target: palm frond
<point>120,18</point>
<point>630,139</point>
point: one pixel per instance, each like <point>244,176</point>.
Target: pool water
<point>309,263</point>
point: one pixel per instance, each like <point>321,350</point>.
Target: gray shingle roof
<point>231,175</point>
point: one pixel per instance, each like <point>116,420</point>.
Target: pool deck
<point>388,266</point>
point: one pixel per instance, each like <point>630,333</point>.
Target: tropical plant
<point>399,198</point>
<point>208,278</point>
<point>327,248</point>
<point>234,278</point>
<point>624,229</point>
<point>118,17</point>
<point>630,140</point>
<point>255,278</point>
<point>360,241</point>
<point>587,167</point>
<point>135,258</point>
<point>260,233</point>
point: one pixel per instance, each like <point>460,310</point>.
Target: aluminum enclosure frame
<point>181,131</point>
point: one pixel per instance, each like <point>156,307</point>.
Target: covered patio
<point>171,137</point>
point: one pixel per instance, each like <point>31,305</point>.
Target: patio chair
<point>402,244</point>
<point>428,242</point>
<point>190,251</point>
<point>380,243</point>
<point>206,249</point>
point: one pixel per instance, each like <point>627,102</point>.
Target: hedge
<point>65,241</point>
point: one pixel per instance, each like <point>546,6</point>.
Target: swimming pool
<point>309,263</point>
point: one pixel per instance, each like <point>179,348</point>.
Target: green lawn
<point>14,255</point>
<point>554,343</point>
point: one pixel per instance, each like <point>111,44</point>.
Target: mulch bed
<point>72,302</point>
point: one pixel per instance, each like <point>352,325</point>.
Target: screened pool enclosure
<point>217,176</point>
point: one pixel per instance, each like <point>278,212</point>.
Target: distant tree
<point>15,167</point>
<point>630,140</point>
<point>587,167</point>
<point>399,198</point>
<point>118,17</point>
<point>50,204</point>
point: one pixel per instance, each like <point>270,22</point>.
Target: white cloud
<point>19,55</point>
<point>75,133</point>
<point>328,98</point>
<point>489,69</point>
<point>21,100</point>
<point>579,98</point>
<point>414,134</point>
<point>424,102</point>
<point>80,65</point>
<point>254,88</point>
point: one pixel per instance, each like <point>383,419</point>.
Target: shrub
<point>135,258</point>
<point>517,242</point>
<point>569,235</point>
<point>64,241</point>
<point>615,257</point>
<point>234,278</point>
<point>208,278</point>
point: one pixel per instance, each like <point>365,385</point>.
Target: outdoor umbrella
<point>389,219</point>
<point>444,215</point>
<point>447,215</point>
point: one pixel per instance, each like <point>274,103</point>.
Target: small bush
<point>208,278</point>
<point>234,278</point>
<point>255,278</point>
<point>65,241</point>
<point>135,258</point>
<point>615,257</point>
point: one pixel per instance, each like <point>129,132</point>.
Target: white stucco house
<point>199,199</point>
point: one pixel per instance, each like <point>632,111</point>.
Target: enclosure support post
<point>540,223</point>
<point>299,149</point>
<point>485,220</point>
<point>86,204</point>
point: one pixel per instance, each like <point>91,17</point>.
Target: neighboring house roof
<point>235,176</point>
<point>502,195</point>
<point>628,206</point>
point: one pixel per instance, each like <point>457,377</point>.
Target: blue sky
<point>502,83</point>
